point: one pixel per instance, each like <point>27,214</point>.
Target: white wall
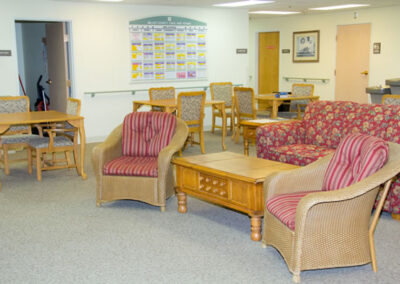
<point>100,51</point>
<point>385,24</point>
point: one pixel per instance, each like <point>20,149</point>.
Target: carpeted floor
<point>52,232</point>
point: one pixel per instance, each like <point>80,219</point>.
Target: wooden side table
<point>228,179</point>
<point>250,126</point>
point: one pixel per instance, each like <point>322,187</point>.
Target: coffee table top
<point>245,168</point>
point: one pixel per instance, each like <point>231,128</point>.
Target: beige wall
<point>385,23</point>
<point>100,51</point>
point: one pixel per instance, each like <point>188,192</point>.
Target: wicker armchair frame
<point>333,228</point>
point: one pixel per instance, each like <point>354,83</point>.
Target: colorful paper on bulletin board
<point>168,48</point>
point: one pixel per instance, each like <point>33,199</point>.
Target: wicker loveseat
<point>319,133</point>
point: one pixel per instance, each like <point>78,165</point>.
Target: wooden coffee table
<point>228,179</point>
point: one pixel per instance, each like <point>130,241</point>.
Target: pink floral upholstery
<point>132,166</point>
<point>298,154</point>
<point>284,206</point>
<point>146,133</point>
<point>324,124</point>
<point>357,157</point>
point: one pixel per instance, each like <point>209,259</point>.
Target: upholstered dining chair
<point>134,162</point>
<point>191,110</point>
<point>222,91</point>
<point>17,136</point>
<point>391,100</point>
<point>161,93</point>
<point>319,216</point>
<point>245,107</point>
<point>297,107</point>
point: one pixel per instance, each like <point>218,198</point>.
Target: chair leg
<point>162,208</point>
<point>5,160</point>
<point>29,153</point>
<point>38,165</point>
<point>213,123</point>
<point>203,150</point>
<point>67,158</point>
<point>78,170</point>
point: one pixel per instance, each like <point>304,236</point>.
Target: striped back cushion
<point>144,134</point>
<point>357,157</point>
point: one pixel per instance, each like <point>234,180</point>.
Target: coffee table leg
<point>255,222</point>
<point>182,208</point>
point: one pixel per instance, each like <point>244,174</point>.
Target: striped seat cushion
<point>132,166</point>
<point>357,157</point>
<point>144,134</point>
<point>284,206</point>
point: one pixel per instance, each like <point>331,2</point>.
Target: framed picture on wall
<point>306,46</point>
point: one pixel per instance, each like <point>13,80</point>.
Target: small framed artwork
<point>306,46</point>
<point>377,47</point>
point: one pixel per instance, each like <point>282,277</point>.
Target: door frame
<point>69,46</point>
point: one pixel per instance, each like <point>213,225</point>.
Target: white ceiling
<point>278,5</point>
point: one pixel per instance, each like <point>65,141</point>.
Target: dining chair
<point>162,93</point>
<point>17,136</point>
<point>391,100</point>
<point>222,91</point>
<point>62,138</point>
<point>191,110</point>
<point>300,90</point>
<point>319,216</point>
<point>245,107</point>
<point>134,162</point>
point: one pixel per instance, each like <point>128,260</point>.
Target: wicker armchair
<point>331,228</point>
<point>134,161</point>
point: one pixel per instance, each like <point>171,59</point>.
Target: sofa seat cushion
<point>132,166</point>
<point>284,206</point>
<point>145,134</point>
<point>357,157</point>
<point>297,154</point>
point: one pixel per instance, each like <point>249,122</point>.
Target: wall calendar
<point>168,48</point>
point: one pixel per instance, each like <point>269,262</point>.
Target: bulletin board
<point>168,48</point>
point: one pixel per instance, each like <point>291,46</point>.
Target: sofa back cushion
<point>356,157</point>
<point>327,122</point>
<point>144,134</point>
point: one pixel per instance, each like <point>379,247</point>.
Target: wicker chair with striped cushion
<point>134,161</point>
<point>318,216</point>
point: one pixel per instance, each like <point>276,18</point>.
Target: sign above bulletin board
<point>168,48</point>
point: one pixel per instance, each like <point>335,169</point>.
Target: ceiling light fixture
<point>111,0</point>
<point>243,3</point>
<point>346,6</point>
<point>274,12</point>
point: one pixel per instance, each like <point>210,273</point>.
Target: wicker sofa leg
<point>296,277</point>
<point>162,208</point>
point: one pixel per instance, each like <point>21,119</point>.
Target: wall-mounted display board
<point>168,48</point>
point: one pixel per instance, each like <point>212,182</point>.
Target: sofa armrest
<point>279,134</point>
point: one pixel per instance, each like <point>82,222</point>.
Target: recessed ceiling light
<point>346,6</point>
<point>274,12</point>
<point>243,3</point>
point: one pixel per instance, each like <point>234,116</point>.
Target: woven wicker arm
<point>279,134</point>
<point>110,149</point>
<point>306,178</point>
<point>165,173</point>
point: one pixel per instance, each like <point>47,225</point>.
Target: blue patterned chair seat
<point>43,142</point>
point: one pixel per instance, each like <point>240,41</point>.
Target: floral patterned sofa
<point>318,134</point>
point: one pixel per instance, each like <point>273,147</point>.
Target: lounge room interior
<point>198,198</point>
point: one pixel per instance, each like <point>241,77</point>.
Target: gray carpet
<point>52,232</point>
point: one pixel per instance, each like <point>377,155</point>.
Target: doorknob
<point>365,72</point>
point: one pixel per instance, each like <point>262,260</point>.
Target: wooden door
<point>352,62</point>
<point>57,65</point>
<point>268,62</point>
